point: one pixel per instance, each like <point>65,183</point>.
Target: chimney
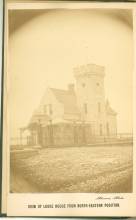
<point>71,88</point>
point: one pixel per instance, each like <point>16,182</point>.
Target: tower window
<point>99,107</point>
<point>85,108</point>
<point>83,85</point>
<point>50,109</point>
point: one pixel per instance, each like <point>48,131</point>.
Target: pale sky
<point>44,51</point>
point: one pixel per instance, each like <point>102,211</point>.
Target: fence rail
<point>120,137</point>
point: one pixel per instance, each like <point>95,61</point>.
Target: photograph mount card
<point>69,105</point>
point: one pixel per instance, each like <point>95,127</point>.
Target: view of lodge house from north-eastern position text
<point>77,116</point>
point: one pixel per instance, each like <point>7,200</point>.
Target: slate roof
<point>68,99</point>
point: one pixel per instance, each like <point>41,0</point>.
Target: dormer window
<point>83,85</point>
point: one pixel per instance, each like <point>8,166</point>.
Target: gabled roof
<point>68,99</point>
<point>109,110</point>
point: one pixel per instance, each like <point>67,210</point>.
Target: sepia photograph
<point>70,100</point>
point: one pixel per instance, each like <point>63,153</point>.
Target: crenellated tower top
<point>89,69</point>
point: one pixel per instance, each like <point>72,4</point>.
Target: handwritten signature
<point>109,198</point>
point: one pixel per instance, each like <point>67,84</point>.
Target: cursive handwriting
<point>101,197</point>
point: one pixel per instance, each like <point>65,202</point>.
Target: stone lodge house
<point>76,116</point>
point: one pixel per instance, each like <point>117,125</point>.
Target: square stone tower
<point>91,96</point>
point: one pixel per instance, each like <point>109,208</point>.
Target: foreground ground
<point>74,169</point>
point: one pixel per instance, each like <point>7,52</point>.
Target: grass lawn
<point>73,169</point>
